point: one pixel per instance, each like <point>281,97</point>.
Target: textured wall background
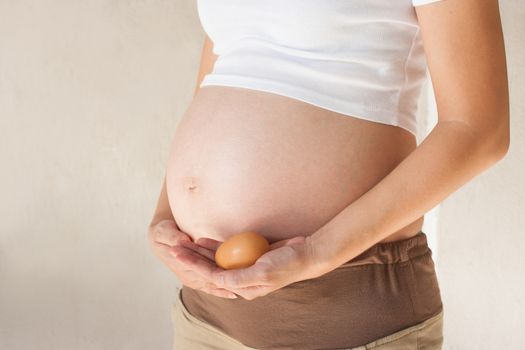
<point>90,95</point>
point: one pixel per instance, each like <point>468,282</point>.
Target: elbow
<point>503,144</point>
<point>483,129</point>
<point>502,147</point>
<point>490,141</point>
<point>499,140</point>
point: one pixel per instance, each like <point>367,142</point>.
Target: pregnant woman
<point>303,129</point>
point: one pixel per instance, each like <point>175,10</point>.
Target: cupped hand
<point>164,236</point>
<point>287,261</point>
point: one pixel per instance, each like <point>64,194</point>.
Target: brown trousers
<point>386,298</point>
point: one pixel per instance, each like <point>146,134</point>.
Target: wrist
<point>318,253</point>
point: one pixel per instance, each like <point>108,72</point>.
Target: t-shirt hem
<point>314,98</point>
<point>423,2</point>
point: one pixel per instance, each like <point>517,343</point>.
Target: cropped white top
<point>361,58</point>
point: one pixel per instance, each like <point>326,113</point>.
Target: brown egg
<point>241,250</point>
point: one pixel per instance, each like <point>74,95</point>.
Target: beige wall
<point>90,95</point>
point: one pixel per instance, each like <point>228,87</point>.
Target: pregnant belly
<point>243,159</point>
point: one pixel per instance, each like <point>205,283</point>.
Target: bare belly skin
<point>243,159</point>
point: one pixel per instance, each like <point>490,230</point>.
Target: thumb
<point>285,242</point>
<point>239,278</point>
<point>185,237</point>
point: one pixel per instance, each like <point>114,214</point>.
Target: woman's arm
<point>208,59</point>
<point>163,210</point>
<point>466,58</point>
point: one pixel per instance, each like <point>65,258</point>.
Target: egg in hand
<point>241,250</point>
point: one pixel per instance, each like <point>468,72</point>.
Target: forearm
<point>450,156</point>
<point>163,209</point>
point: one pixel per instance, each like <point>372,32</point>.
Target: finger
<point>195,262</point>
<point>163,251</point>
<point>171,258</point>
<point>250,293</point>
<point>167,233</point>
<point>223,293</point>
<point>186,274</point>
<point>182,253</point>
<point>198,249</point>
<point>284,242</point>
<point>219,292</point>
<point>209,243</point>
<point>240,278</point>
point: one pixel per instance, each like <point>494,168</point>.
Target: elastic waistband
<point>392,252</point>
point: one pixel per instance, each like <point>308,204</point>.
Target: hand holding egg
<point>246,266</point>
<point>253,269</point>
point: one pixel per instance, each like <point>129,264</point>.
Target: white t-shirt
<point>362,58</point>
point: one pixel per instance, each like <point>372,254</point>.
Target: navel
<point>190,183</point>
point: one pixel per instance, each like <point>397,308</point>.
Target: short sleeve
<point>423,2</point>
